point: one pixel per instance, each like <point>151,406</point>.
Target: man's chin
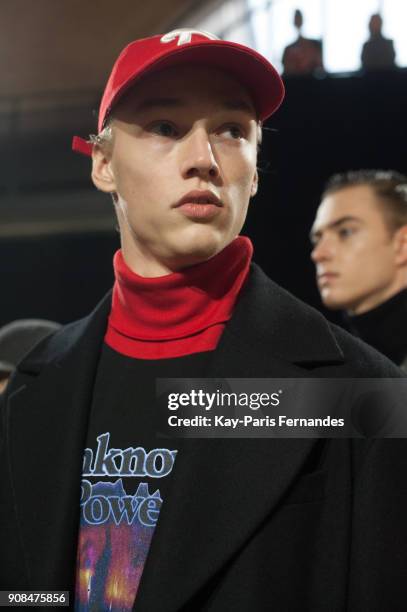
<point>333,302</point>
<point>192,258</point>
<point>198,250</point>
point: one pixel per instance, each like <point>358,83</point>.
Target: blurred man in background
<point>17,339</point>
<point>378,52</point>
<point>360,252</point>
<point>304,55</point>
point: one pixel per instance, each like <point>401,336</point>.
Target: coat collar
<point>271,334</point>
<point>269,320</point>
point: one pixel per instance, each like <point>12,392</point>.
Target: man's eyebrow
<point>168,102</point>
<point>333,224</point>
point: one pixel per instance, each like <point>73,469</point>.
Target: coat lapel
<point>47,419</point>
<point>222,490</point>
<point>221,493</point>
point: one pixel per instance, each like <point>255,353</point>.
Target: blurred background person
<point>304,56</point>
<point>360,253</point>
<point>378,52</point>
<point>16,339</point>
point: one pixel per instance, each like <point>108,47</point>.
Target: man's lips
<point>199,204</point>
<point>325,277</point>
<point>199,197</point>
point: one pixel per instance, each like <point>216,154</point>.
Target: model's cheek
<point>240,160</point>
<point>359,272</point>
<point>237,210</point>
<point>136,186</point>
<point>249,159</point>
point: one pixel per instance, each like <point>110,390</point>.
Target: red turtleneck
<point>178,314</point>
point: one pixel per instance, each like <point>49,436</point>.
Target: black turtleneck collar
<point>384,327</point>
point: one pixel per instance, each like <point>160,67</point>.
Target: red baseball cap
<point>183,46</point>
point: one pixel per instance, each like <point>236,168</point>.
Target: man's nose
<point>322,251</point>
<point>198,158</point>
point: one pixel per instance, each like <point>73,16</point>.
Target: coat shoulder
<point>364,360</point>
<point>273,322</point>
<point>89,329</point>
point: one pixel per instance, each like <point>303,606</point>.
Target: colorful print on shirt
<point>118,515</point>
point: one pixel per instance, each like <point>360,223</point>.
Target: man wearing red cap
<point>93,502</point>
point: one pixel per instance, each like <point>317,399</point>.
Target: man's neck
<point>383,327</point>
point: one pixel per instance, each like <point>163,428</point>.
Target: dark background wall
<point>62,268</point>
<point>50,46</point>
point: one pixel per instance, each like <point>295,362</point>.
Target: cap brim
<point>250,68</point>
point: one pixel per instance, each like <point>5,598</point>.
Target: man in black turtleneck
<point>360,251</point>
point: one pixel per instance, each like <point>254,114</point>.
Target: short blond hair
<point>105,137</point>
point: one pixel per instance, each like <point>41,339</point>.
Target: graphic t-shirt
<point>125,479</point>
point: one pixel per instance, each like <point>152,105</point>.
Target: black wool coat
<point>248,525</point>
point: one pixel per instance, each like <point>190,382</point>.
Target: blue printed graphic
<point>116,527</point>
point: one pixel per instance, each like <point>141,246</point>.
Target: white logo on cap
<point>185,36</point>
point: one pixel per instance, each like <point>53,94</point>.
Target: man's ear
<point>102,173</point>
<point>400,243</point>
<point>255,184</point>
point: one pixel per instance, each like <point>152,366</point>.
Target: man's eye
<point>164,128</point>
<point>345,232</point>
<point>232,131</point>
